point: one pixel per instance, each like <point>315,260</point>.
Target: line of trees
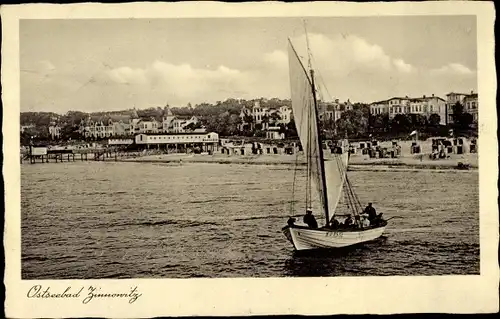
<point>224,118</point>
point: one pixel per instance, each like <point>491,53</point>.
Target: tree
<point>69,131</point>
<point>461,119</point>
<point>418,121</point>
<point>352,123</point>
<point>466,120</point>
<point>434,120</point>
<point>291,130</point>
<point>379,122</point>
<point>458,110</point>
<point>233,121</point>
<point>401,123</point>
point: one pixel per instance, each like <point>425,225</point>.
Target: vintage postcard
<point>208,158</point>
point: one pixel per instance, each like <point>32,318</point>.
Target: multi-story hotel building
<point>333,110</point>
<point>469,102</point>
<point>425,105</point>
<point>264,116</point>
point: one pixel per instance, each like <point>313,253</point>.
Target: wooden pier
<point>35,155</point>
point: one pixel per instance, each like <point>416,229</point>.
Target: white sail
<point>335,173</point>
<point>304,112</point>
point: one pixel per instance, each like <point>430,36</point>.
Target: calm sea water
<point>123,220</point>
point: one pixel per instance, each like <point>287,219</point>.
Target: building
<point>245,114</point>
<point>285,114</point>
<point>425,106</point>
<point>471,105</point>
<point>149,126</point>
<point>332,111</point>
<point>108,126</point>
<point>179,141</point>
<point>168,117</point>
<point>273,133</point>
<point>121,128</point>
<point>96,127</point>
<point>259,113</point>
<point>54,129</point>
<point>26,128</point>
<point>120,141</point>
<point>469,102</point>
<point>264,116</point>
<point>180,124</point>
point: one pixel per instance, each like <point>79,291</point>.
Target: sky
<point>114,64</point>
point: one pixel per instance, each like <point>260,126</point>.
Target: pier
<point>44,155</point>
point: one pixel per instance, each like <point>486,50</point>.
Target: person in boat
<point>348,223</point>
<point>310,220</point>
<point>378,220</point>
<point>291,221</point>
<point>370,210</point>
<point>335,224</point>
<point>357,221</point>
<point>365,222</point>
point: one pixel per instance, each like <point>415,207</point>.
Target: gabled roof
<point>472,96</point>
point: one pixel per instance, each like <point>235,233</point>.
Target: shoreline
<point>356,163</point>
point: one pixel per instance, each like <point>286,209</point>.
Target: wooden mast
<point>320,151</point>
<point>318,132</point>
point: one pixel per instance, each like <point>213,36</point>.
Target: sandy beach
<point>421,161</point>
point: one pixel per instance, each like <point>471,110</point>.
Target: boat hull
<point>304,238</point>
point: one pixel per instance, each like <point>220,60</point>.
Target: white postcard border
<point>247,296</point>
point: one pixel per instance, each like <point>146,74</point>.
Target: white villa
<point>265,116</point>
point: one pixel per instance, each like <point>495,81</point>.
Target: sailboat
<point>326,173</point>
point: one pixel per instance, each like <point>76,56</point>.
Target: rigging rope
<point>320,76</point>
<point>292,204</point>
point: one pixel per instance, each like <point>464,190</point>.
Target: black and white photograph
<point>301,146</point>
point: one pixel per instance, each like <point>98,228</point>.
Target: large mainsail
<point>305,115</point>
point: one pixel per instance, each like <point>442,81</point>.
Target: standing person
<point>370,210</point>
<point>310,220</point>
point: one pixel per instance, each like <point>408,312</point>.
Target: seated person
<point>291,221</point>
<point>348,222</point>
<point>357,221</point>
<point>310,220</point>
<point>365,222</point>
<point>335,224</point>
<point>379,220</point>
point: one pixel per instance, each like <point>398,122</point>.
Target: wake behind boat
<point>326,175</point>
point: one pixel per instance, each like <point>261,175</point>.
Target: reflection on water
<point>331,262</point>
<point>123,220</point>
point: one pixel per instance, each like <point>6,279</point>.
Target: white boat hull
<point>308,239</point>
